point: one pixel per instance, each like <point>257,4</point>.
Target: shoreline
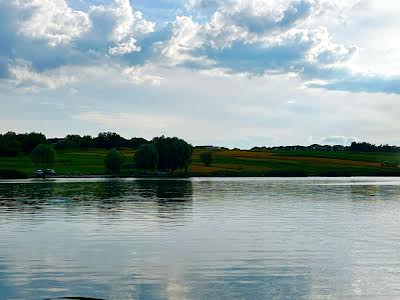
<point>194,176</point>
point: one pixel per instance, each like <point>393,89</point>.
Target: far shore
<point>49,178</point>
<point>89,163</point>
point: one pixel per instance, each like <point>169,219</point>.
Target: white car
<point>39,172</point>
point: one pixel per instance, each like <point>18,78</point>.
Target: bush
<point>173,153</point>
<point>44,156</point>
<point>206,158</point>
<point>113,161</point>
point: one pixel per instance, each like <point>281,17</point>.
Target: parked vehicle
<point>50,172</point>
<point>39,172</point>
<point>43,173</point>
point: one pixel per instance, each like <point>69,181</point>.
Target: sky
<point>235,73</point>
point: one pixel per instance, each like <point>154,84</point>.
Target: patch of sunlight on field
<point>225,167</point>
<point>316,160</point>
<point>195,168</point>
<point>242,154</point>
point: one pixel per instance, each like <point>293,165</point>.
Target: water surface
<point>304,238</point>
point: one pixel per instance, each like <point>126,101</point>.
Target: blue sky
<point>227,72</point>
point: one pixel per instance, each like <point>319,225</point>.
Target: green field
<point>68,162</point>
<point>230,163</point>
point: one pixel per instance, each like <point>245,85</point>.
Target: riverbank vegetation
<point>80,156</point>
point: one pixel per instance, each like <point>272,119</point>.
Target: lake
<point>204,238</point>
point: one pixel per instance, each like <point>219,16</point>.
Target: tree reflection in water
<point>105,195</point>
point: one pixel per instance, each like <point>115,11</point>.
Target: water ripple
<point>228,238</point>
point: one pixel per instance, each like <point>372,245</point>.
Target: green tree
<point>146,157</point>
<point>87,142</point>
<point>9,144</point>
<point>206,158</point>
<point>173,153</point>
<point>30,140</point>
<point>109,140</point>
<point>135,143</point>
<point>184,154</point>
<point>44,156</point>
<point>113,161</point>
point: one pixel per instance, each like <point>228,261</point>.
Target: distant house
<point>55,141</point>
<point>208,147</point>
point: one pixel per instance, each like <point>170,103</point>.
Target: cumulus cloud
<point>259,17</point>
<point>48,35</point>
<point>116,27</point>
<point>22,76</point>
<point>273,30</point>
<point>118,21</point>
<point>125,48</point>
<point>324,51</point>
<point>258,36</point>
<point>254,37</point>
<point>51,20</point>
<point>185,37</point>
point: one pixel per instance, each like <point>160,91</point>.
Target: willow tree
<point>43,156</point>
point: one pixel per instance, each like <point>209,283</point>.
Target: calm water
<point>201,239</point>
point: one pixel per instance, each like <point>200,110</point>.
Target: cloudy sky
<point>224,72</point>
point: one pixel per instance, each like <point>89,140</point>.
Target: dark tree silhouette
<point>109,140</point>
<point>30,140</point>
<point>146,157</point>
<point>113,161</point>
<point>206,158</point>
<point>44,156</point>
<point>173,153</point>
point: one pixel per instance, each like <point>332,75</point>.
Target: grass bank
<point>228,163</point>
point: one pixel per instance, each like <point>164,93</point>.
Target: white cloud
<point>324,51</point>
<point>185,36</point>
<point>254,37</point>
<point>26,79</point>
<point>141,75</point>
<point>125,48</point>
<point>51,20</point>
<point>119,21</point>
<point>224,37</point>
<point>57,23</point>
<point>23,77</point>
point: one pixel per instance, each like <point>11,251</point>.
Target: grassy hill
<point>230,163</point>
<point>298,163</point>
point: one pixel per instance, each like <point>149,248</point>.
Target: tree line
<point>164,154</point>
<point>13,144</point>
<point>354,147</point>
<point>104,140</point>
